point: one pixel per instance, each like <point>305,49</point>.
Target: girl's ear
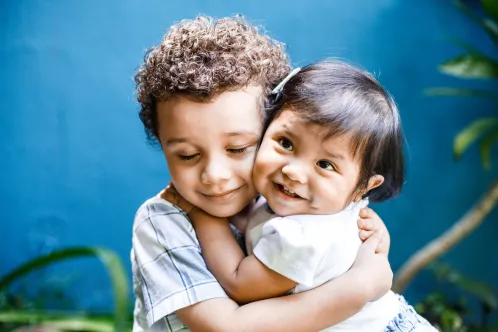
<point>374,182</point>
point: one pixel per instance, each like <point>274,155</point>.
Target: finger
<point>365,235</point>
<point>366,213</point>
<point>372,243</point>
<point>365,224</point>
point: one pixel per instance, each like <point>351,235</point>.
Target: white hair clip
<point>281,85</point>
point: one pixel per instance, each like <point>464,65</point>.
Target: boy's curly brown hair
<point>201,58</point>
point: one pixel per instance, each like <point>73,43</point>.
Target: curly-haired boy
<point>201,93</point>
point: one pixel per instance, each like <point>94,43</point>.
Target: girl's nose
<point>295,173</point>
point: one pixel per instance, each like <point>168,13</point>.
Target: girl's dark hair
<point>349,101</point>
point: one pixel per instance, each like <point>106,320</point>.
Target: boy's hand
<point>170,194</point>
<point>370,223</point>
<point>372,268</point>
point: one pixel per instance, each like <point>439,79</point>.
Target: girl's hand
<point>170,194</point>
<point>370,223</point>
<point>372,268</point>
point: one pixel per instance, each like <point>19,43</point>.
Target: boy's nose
<point>295,173</point>
<point>216,173</point>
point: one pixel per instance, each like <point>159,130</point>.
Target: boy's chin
<point>223,211</point>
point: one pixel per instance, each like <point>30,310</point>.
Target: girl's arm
<point>369,278</point>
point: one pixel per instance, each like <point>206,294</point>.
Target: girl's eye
<point>285,143</point>
<point>189,157</point>
<point>327,165</point>
<point>238,151</point>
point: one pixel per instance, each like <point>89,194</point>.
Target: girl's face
<point>300,169</point>
<point>210,148</point>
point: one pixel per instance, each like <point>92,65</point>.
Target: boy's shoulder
<point>157,209</point>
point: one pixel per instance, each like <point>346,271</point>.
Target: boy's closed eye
<point>242,150</point>
<point>188,157</point>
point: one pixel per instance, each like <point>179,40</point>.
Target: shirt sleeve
<point>287,247</point>
<point>169,272</point>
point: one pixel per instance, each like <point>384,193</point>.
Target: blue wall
<point>75,165</point>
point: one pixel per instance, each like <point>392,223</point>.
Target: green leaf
<point>457,92</point>
<point>110,260</point>
<point>471,133</point>
<point>489,26</point>
<point>491,8</point>
<point>466,46</point>
<point>472,65</point>
<point>57,321</point>
<point>82,325</point>
<point>486,149</point>
<point>480,290</point>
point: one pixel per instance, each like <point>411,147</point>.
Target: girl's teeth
<point>287,191</point>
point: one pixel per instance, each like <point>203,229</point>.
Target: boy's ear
<point>374,182</point>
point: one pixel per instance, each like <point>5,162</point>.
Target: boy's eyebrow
<point>176,140</point>
<point>241,133</point>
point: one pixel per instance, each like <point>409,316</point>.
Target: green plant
<point>444,313</point>
<point>472,64</point>
<point>456,315</point>
<point>13,313</point>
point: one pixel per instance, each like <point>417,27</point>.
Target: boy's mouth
<point>223,196</point>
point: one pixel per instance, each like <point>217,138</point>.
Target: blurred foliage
<point>447,313</point>
<point>21,311</point>
<point>473,64</point>
<point>451,314</point>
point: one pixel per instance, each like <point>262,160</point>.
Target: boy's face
<point>210,148</point>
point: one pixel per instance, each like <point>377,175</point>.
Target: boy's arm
<point>314,310</point>
<point>245,279</point>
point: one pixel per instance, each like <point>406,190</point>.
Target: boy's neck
<point>240,219</point>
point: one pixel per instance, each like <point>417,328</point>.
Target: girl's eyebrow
<point>288,131</point>
<point>336,156</point>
